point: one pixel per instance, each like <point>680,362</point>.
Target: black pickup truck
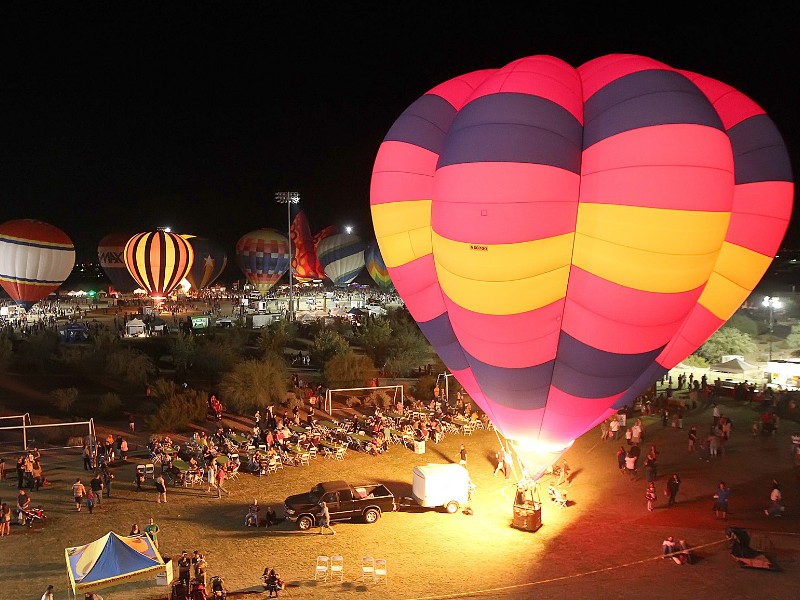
<point>345,501</point>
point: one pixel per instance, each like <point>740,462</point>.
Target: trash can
<point>419,447</point>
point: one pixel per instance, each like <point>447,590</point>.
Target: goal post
<point>27,428</point>
<point>397,389</point>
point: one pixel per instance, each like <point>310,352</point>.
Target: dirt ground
<point>604,545</point>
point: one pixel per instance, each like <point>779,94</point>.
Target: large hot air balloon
<point>263,257</point>
<point>111,255</point>
<point>342,257</point>
<point>158,260</point>
<point>35,259</point>
<point>376,267</point>
<point>565,236</point>
<point>210,261</point>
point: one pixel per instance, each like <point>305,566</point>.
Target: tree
<point>214,356</point>
<point>183,349</point>
<point>253,384</point>
<point>275,338</point>
<point>793,339</point>
<point>375,336</point>
<point>328,344</point>
<point>727,340</point>
<point>348,370</point>
<point>36,351</point>
<point>64,399</point>
<point>744,324</point>
<point>132,366</point>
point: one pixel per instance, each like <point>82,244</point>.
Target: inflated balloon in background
<point>376,267</point>
<point>158,261</point>
<point>305,264</point>
<point>35,259</point>
<point>111,255</point>
<point>342,257</point>
<point>263,257</point>
<point>210,261</point>
<point>565,236</point>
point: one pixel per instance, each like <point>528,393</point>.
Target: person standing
<point>499,457</point>
<point>650,496</point>
<point>48,593</point>
<point>131,423</point>
<point>630,466</point>
<point>211,476</point>
<point>220,480</point>
<point>87,458</point>
<point>96,485</point>
<point>673,487</point>
<point>325,518</point>
<point>721,498</point>
<point>692,437</point>
<point>108,477</point>
<point>78,492</point>
<point>90,500</point>
<point>621,456</point>
<point>5,520</point>
<point>161,489</point>
<point>613,428</point>
<point>184,566</point>
<point>565,474</point>
<point>152,529</point>
<point>604,430</point>
<point>463,456</point>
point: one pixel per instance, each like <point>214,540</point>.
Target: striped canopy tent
<point>112,560</point>
<point>564,237</point>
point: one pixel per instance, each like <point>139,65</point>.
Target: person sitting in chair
<point>251,520</point>
<point>218,591</point>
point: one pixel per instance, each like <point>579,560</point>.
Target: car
<point>225,322</point>
<point>345,502</point>
<point>375,309</point>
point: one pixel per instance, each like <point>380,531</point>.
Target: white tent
<point>734,366</point>
<point>134,327</point>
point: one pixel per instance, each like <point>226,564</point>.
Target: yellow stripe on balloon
<point>403,230</point>
<point>741,265</point>
<point>654,229</point>
<point>640,269</point>
<point>722,296</point>
<point>503,279</point>
<point>503,262</point>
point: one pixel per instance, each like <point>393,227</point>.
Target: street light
<point>289,198</point>
<point>772,303</point>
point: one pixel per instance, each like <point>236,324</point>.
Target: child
<point>90,499</point>
<point>650,496</point>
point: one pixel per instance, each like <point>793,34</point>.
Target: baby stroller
<point>747,557</point>
<point>28,515</point>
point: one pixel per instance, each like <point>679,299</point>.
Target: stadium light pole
<point>289,198</point>
<point>772,303</point>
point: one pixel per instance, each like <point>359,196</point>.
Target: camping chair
<point>337,567</point>
<point>367,568</point>
<point>150,469</point>
<point>322,569</point>
<point>380,570</point>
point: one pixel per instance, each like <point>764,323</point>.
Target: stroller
<point>28,515</point>
<point>747,557</point>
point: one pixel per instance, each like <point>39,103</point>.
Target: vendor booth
<point>135,328</point>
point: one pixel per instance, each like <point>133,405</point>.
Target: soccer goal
<point>61,435</point>
<point>395,391</point>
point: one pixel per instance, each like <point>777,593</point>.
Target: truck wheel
<point>371,515</point>
<point>451,507</point>
<point>305,522</point>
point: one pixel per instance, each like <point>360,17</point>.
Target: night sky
<point>192,115</point>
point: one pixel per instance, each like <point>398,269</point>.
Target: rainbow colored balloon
<point>376,267</point>
<point>565,236</point>
<point>263,257</point>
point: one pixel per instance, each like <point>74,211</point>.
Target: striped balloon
<point>565,236</point>
<point>376,267</point>
<point>342,257</point>
<point>263,257</point>
<point>158,260</point>
<point>35,259</point>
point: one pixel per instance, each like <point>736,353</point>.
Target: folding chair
<point>312,452</point>
<point>262,448</point>
<point>233,475</point>
<point>304,459</point>
<point>367,568</point>
<point>467,429</point>
<point>380,570</point>
<point>478,424</point>
<point>339,454</point>
<point>150,469</point>
<point>141,469</point>
<point>337,567</point>
<point>272,467</point>
<point>278,463</point>
<point>321,571</point>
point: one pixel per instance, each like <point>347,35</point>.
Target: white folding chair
<point>312,452</point>
<point>380,570</point>
<point>304,459</point>
<point>368,568</point>
<point>339,454</point>
<point>337,567</point>
<point>262,448</point>
<point>150,469</point>
<point>233,475</point>
<point>272,467</point>
<point>321,571</point>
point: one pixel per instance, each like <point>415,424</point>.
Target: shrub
<point>64,398</point>
<point>170,416</point>
<point>109,404</point>
<point>132,366</point>
<point>327,344</point>
<point>695,361</point>
<point>36,352</point>
<point>252,384</point>
<point>348,370</point>
<point>352,402</point>
<point>293,400</point>
<point>424,388</point>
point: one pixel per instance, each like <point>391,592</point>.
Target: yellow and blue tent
<point>112,560</point>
